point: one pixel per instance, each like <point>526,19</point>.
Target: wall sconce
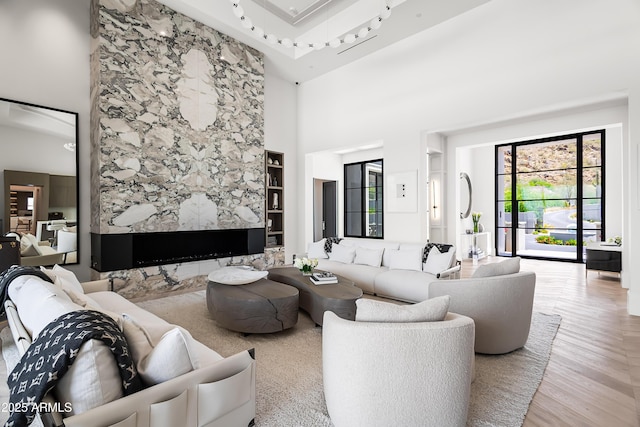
<point>435,200</point>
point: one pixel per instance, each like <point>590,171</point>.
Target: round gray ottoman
<point>263,306</point>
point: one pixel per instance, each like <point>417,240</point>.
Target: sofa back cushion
<point>365,256</point>
<point>442,247</point>
<point>437,262</point>
<point>431,310</point>
<point>342,253</point>
<point>405,259</point>
<point>508,266</point>
<point>317,249</point>
<point>373,244</point>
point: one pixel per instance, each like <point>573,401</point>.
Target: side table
<point>603,257</point>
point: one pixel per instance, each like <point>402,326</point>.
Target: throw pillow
<point>29,246</point>
<point>64,278</point>
<point>236,275</point>
<point>342,254</point>
<point>91,381</point>
<point>431,310</point>
<point>372,257</point>
<point>171,357</point>
<point>38,302</point>
<point>442,247</point>
<point>437,262</point>
<point>508,266</point>
<point>405,259</point>
<point>316,250</point>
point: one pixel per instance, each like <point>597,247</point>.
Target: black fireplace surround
<point>110,252</point>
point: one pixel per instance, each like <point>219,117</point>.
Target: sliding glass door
<point>549,196</point>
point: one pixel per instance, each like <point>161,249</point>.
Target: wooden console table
<point>604,257</point>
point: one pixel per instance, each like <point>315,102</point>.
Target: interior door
<point>329,209</point>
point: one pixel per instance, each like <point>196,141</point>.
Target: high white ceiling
<point>323,20</point>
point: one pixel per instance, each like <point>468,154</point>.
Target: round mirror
<point>465,195</point>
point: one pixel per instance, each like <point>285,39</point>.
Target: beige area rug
<point>289,375</point>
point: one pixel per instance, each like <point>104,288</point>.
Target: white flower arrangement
<point>617,240</point>
<point>306,265</point>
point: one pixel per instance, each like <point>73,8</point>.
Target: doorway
<point>24,202</point>
<point>325,209</point>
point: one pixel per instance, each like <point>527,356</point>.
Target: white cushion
<point>372,257</point>
<point>92,380</point>
<point>236,275</point>
<point>67,241</point>
<point>508,266</point>
<point>64,278</point>
<point>38,302</point>
<point>29,245</point>
<point>437,261</point>
<point>172,356</point>
<point>344,254</point>
<point>407,259</point>
<point>316,250</point>
<point>431,310</point>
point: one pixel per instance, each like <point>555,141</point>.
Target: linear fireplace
<point>110,252</point>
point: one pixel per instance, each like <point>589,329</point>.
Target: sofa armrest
<point>222,393</point>
<point>450,273</point>
<point>96,286</point>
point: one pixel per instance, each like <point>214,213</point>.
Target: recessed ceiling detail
<point>334,42</point>
<point>294,11</point>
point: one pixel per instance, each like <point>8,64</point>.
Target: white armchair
<point>401,374</point>
<point>501,307</point>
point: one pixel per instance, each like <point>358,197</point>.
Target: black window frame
<point>364,202</point>
<point>579,197</point>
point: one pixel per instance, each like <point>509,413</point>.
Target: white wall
<point>44,47</point>
<point>280,134</point>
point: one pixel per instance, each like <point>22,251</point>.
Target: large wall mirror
<point>39,173</point>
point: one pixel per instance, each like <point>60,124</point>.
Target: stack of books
<point>323,278</point>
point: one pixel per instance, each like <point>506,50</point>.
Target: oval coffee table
<point>263,306</point>
<point>316,299</point>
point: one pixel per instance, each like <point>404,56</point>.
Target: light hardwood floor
<point>593,376</point>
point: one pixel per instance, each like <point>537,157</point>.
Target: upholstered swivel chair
<point>397,374</point>
<point>501,307</point>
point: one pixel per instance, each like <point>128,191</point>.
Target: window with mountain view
<point>550,196</point>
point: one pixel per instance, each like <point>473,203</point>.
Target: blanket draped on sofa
<point>49,357</point>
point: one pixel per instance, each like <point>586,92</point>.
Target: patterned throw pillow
<point>442,247</point>
<point>329,242</point>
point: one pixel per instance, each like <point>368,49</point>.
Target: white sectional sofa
<point>389,269</point>
<point>187,383</point>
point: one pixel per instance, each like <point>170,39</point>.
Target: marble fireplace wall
<point>177,128</point>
